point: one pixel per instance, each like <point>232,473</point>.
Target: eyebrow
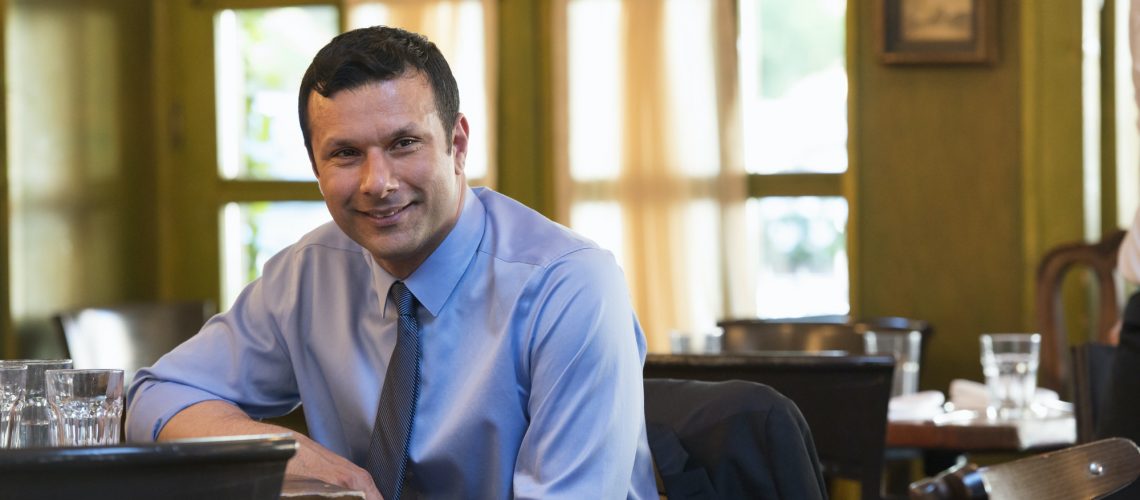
<point>406,130</point>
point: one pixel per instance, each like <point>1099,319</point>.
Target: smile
<point>385,217</point>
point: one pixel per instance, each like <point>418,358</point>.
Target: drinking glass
<point>13,377</point>
<point>37,424</point>
<point>1009,362</point>
<point>88,405</point>
<point>906,347</point>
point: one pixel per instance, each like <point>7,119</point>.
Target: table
<point>306,488</point>
<point>982,435</point>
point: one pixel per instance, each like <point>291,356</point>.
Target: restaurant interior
<point>743,159</point>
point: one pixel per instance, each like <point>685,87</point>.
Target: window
<point>717,187</point>
<point>268,196</point>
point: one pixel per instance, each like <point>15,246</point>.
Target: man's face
<point>390,174</point>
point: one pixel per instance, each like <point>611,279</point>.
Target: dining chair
<point>129,336</point>
<point>1120,410</point>
<point>228,468</point>
<point>730,439</point>
<point>1087,471</point>
<point>1099,258</point>
<point>828,335</point>
<point>843,399</point>
<point>1092,369</point>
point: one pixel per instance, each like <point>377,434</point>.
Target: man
<point>511,369</point>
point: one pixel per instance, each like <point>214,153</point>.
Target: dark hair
<point>380,53</point>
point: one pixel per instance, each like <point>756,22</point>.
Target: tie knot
<point>405,301</point>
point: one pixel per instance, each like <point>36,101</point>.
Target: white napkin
<point>970,395</point>
<point>923,405</point>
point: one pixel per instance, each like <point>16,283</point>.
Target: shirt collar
<point>434,281</point>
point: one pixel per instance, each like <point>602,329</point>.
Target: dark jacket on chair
<point>1120,416</point>
<point>731,439</point>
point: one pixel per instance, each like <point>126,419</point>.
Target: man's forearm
<point>218,418</point>
<point>215,418</point>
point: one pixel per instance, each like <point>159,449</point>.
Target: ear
<point>459,141</point>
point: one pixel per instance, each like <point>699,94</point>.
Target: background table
<point>982,435</point>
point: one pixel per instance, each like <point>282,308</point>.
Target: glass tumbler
<point>906,347</point>
<point>13,377</point>
<point>1009,363</point>
<point>88,405</point>
<point>36,425</point>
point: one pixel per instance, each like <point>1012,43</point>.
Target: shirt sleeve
<point>238,357</point>
<point>586,437</point>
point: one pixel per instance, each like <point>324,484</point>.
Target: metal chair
<point>829,335</point>
<point>129,336</point>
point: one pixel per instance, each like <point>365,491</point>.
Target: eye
<point>344,153</point>
<point>405,143</point>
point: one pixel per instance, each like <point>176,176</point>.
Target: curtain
<point>678,178</point>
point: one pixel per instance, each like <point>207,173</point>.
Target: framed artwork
<point>937,31</point>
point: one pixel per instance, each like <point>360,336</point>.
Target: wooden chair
<point>842,398</point>
<point>1090,470</point>
<point>1092,369</point>
<point>1100,258</point>
<point>129,336</point>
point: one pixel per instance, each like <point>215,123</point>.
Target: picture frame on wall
<point>937,31</point>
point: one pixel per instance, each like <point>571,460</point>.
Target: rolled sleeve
<point>238,357</point>
<point>154,403</point>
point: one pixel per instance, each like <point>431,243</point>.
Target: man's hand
<point>314,460</point>
<point>218,418</point>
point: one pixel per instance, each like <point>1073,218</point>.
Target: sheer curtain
<point>652,165</point>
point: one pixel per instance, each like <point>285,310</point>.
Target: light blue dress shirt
<point>531,371</point>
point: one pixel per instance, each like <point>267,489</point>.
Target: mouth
<point>385,216</point>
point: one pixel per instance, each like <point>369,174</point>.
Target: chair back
<point>1100,258</point>
<point>1092,370</point>
<point>1090,470</point>
<point>822,334</point>
<point>731,439</point>
<point>241,467</point>
<point>843,399</point>
<point>129,336</point>
<point>837,335</point>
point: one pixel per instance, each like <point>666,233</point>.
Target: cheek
<point>334,186</point>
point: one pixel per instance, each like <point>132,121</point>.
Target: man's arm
<point>218,418</point>
<point>586,437</point>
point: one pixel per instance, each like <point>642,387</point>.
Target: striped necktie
<point>388,449</point>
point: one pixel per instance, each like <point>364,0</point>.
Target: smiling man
<point>444,341</point>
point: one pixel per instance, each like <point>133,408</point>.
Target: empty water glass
<point>88,405</point>
<point>37,424</point>
<point>13,377</point>
<point>1009,362</point>
<point>906,347</point>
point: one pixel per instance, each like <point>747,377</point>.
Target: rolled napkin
<point>923,405</point>
<point>970,395</point>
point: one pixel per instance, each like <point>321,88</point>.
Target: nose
<point>378,178</point>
